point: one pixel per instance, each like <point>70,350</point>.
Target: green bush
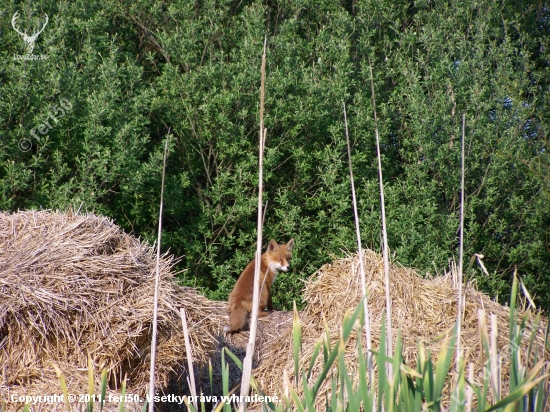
<point>134,73</point>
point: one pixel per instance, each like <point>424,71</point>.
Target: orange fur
<point>276,258</point>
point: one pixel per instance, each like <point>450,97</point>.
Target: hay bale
<point>424,310</point>
<point>73,285</point>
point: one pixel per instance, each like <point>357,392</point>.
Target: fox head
<point>278,256</point>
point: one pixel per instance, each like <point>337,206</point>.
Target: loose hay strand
<point>424,311</point>
<point>77,284</point>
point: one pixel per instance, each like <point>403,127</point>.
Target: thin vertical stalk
<point>247,363</point>
<point>494,360</point>
<point>156,298</point>
<point>389,347</point>
<point>189,356</point>
<point>360,250</point>
<point>461,252</point>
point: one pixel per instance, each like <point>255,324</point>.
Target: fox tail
<point>237,320</point>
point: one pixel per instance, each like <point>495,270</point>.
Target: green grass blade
<point>123,395</point>
<point>541,395</point>
<point>406,400</point>
<point>103,388</point>
<point>296,342</point>
<point>534,332</point>
<point>313,358</point>
<point>517,394</point>
<point>479,396</point>
<point>63,387</point>
<point>442,368</point>
<point>346,387</point>
<point>91,386</point>
<point>363,390</point>
<point>380,362</point>
<point>260,392</point>
<point>428,380</point>
<point>309,398</point>
<point>326,341</point>
<point>334,399</point>
<point>234,358</point>
<point>458,397</point>
<point>514,378</point>
<point>420,366</point>
<point>393,387</point>
<point>211,376</point>
<point>347,327</point>
<point>297,402</point>
<point>396,362</point>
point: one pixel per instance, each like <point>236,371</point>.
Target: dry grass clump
<point>73,285</point>
<point>423,310</point>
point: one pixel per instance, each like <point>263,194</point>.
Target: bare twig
<point>157,280</point>
<point>360,250</point>
<point>247,363</point>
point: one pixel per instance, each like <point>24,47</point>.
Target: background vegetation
<point>134,72</point>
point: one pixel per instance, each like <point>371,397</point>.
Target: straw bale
<point>73,285</point>
<point>423,310</point>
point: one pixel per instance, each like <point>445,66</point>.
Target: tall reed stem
<point>360,250</point>
<point>156,298</point>
<point>389,347</point>
<point>461,252</point>
<point>247,363</point>
<point>189,355</point>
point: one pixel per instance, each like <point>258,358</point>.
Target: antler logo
<point>28,39</point>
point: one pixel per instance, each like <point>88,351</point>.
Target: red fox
<point>276,258</point>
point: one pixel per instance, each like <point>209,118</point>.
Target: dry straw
<point>73,285</point>
<point>424,311</point>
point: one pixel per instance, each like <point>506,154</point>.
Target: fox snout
<point>278,267</point>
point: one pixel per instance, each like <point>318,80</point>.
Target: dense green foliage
<point>133,73</point>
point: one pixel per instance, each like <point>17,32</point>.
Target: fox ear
<point>289,245</point>
<point>273,246</point>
